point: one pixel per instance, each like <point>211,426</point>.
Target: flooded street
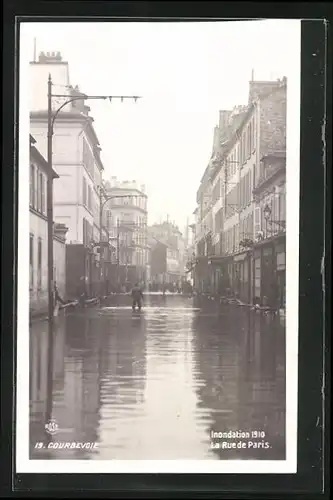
<point>167,383</point>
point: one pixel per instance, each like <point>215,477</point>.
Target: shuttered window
<point>257,221</point>
<point>43,204</point>
<point>31,258</point>
<point>32,186</point>
<point>39,264</point>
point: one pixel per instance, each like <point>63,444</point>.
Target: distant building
<point>76,157</point>
<point>167,253</point>
<point>38,241</point>
<point>126,214</point>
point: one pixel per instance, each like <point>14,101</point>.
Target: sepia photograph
<point>158,246</point>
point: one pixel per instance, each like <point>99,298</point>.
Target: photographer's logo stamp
<point>52,427</point>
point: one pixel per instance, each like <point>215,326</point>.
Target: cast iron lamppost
<point>267,215</point>
<point>51,117</point>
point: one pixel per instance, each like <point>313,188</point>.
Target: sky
<point>185,73</point>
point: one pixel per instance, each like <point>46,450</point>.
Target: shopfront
<point>281,275</point>
<point>219,272</point>
<point>242,276</point>
<point>269,274</point>
<point>201,279</point>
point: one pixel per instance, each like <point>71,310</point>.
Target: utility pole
<point>50,253</point>
<point>118,256</point>
<point>50,122</point>
<point>101,205</point>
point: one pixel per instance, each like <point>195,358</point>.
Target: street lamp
<point>267,216</point>
<point>51,117</point>
<point>267,212</point>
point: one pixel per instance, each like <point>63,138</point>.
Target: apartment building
<point>38,239</point>
<point>167,253</point>
<point>230,218</point>
<point>77,160</point>
<point>126,212</point>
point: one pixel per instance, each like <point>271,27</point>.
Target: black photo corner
<point>315,232</point>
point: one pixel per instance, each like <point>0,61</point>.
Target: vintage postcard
<point>158,246</point>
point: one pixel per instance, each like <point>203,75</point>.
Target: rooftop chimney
<point>50,57</point>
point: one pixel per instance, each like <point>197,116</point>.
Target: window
<point>257,278</point>
<point>88,159</point>
<point>250,226</point>
<point>84,191</point>
<point>42,194</point>
<point>250,186</point>
<point>257,221</point>
<point>242,148</point>
<point>31,256</point>
<point>89,197</point>
<point>38,192</point>
<point>243,192</point>
<point>108,219</point>
<point>84,232</point>
<point>39,265</point>
<point>32,186</point>
<point>283,203</point>
<point>40,175</point>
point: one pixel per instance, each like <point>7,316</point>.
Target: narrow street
<point>156,384</point>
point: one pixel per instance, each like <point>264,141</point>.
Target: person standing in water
<point>137,297</point>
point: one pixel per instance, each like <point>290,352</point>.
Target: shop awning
<point>241,257</point>
<point>218,259</point>
<point>269,241</point>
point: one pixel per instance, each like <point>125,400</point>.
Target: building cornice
<point>121,190</point>
<point>117,207</point>
<point>72,116</point>
<point>38,214</point>
<point>59,238</point>
<point>40,160</point>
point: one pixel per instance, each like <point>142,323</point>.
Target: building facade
<point>269,251</point>
<point>229,215</point>
<point>126,212</point>
<point>168,256</point>
<point>38,240</point>
<point>76,157</point>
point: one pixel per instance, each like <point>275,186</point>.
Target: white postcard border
<point>23,463</point>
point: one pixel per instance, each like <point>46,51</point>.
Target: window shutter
<point>38,192</point>
<point>257,221</point>
<point>31,251</point>
<point>43,194</point>
<point>32,185</point>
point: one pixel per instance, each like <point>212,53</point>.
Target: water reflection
<point>242,363</point>
<point>156,384</point>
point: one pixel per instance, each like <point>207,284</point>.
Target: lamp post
<point>51,117</point>
<point>267,215</point>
